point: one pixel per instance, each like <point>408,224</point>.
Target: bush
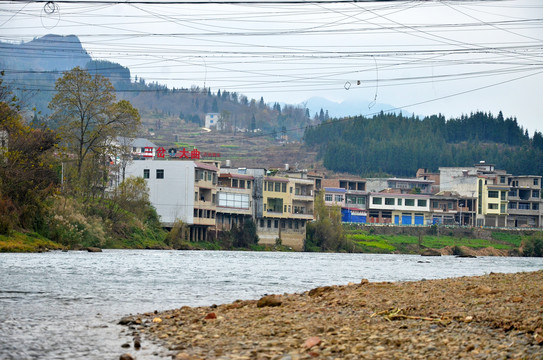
<point>533,246</point>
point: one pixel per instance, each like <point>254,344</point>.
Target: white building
<point>212,120</point>
<point>171,187</point>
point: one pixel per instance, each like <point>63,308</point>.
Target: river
<point>65,305</point>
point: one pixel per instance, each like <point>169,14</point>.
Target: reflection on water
<point>63,305</point>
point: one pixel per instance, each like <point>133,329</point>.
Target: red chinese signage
<point>193,154</point>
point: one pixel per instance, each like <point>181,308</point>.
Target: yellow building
<point>491,202</point>
<point>288,205</point>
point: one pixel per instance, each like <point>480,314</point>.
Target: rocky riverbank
<point>497,316</point>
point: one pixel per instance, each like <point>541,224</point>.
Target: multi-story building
<point>524,207</point>
<point>234,200</point>
<point>181,190</point>
<point>399,209</point>
<point>403,185</point>
<point>448,208</point>
<point>351,195</point>
<point>491,201</point>
<point>287,206</point>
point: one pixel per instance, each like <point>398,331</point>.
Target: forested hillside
<point>31,69</point>
<point>397,145</point>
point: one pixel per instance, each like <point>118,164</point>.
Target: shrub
<point>533,246</point>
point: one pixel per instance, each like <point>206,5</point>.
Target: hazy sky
<point>427,57</point>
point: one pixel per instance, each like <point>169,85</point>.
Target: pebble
<point>484,317</point>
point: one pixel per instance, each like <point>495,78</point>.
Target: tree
<point>327,231</point>
<point>88,115</point>
<point>27,171</point>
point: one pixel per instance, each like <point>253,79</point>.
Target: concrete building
<point>449,208</point>
<point>180,190</point>
<point>399,209</point>
<point>524,206</point>
<point>212,121</point>
<point>403,185</point>
<point>287,206</point>
<point>235,203</point>
<point>491,202</point>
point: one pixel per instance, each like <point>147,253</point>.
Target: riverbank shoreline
<point>491,316</point>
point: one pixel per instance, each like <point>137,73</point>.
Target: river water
<point>65,305</point>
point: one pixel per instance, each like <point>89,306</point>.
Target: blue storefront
<point>353,216</point>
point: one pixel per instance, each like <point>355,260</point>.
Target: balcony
<point>303,197</point>
<point>522,212</point>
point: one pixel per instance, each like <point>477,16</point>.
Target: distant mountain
<point>32,68</point>
<point>349,107</point>
<point>50,52</point>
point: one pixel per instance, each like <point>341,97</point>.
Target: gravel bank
<point>496,316</point>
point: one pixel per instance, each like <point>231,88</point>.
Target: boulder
<point>270,300</point>
<point>430,252</point>
<point>94,249</point>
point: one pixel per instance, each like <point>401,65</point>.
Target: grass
<point>408,243</point>
<point>513,239</point>
<point>229,146</point>
<point>26,242</point>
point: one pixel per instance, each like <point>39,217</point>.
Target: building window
<point>284,187</point>
<point>242,184</point>
<point>536,182</point>
<point>296,224</point>
<point>503,195</point>
<point>493,206</point>
<point>421,203</point>
<point>435,205</point>
<point>269,223</point>
<point>377,201</point>
<point>214,198</point>
<point>493,194</point>
<point>502,208</point>
<point>389,201</point>
<point>160,173</point>
<point>289,210</point>
<point>362,201</point>
<point>196,196</point>
<point>276,224</point>
<point>450,205</point>
<point>327,197</point>
<point>513,193</point>
<point>523,206</point>
<point>146,173</point>
<point>512,205</point>
<point>502,179</point>
<point>291,189</point>
<point>284,208</point>
<point>235,183</point>
<point>277,187</point>
<point>261,223</point>
<point>400,201</point>
<point>535,206</point>
<point>270,186</point>
<point>339,198</point>
<point>409,202</point>
<point>535,193</point>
